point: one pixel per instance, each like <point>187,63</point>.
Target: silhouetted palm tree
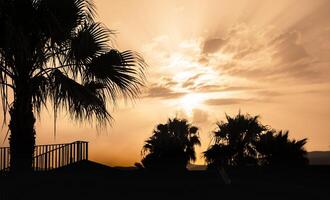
<point>53,49</point>
<point>276,149</point>
<point>171,146</point>
<point>233,141</point>
<point>217,155</point>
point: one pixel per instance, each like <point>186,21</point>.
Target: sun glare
<point>190,101</point>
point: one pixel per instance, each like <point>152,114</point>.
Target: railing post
<point>46,158</point>
<point>71,154</point>
<point>86,150</point>
<point>79,151</point>
<point>1,156</point>
<point>61,155</point>
<point>67,154</point>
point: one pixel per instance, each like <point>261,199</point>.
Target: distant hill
<point>319,157</point>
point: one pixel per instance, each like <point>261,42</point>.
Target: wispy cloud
<point>163,93</point>
<point>220,88</point>
<point>200,116</point>
<point>264,54</point>
<point>213,45</point>
<point>226,101</point>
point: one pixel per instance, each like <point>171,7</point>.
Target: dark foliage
<point>171,146</point>
<point>233,141</point>
<point>243,140</point>
<point>277,149</point>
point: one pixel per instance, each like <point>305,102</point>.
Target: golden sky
<point>211,57</point>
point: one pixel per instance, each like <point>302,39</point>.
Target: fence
<point>51,156</point>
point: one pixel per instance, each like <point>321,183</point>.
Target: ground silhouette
<point>89,180</point>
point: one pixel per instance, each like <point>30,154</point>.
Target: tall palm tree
<point>233,141</point>
<point>55,50</point>
<point>171,146</point>
<point>275,148</point>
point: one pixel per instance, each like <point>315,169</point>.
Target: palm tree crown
<point>54,49</point>
<point>232,140</point>
<point>243,140</point>
<point>172,145</point>
<point>276,148</point>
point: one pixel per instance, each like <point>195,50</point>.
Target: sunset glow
<point>207,58</point>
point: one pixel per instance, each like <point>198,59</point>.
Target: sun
<point>189,102</point>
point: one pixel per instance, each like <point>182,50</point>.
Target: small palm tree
<point>233,141</point>
<point>276,149</point>
<point>54,49</point>
<point>171,146</point>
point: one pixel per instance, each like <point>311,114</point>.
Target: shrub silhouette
<point>171,146</point>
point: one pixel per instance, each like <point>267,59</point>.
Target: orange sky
<point>211,57</point>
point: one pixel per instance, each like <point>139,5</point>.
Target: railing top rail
<point>61,143</point>
<point>79,141</point>
<point>61,147</point>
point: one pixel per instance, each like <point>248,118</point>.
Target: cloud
<point>227,101</point>
<point>221,88</point>
<point>268,93</point>
<point>212,45</point>
<point>207,88</point>
<point>199,116</point>
<point>168,81</point>
<point>288,48</point>
<point>164,93</point>
<point>191,82</point>
<point>203,60</point>
<point>265,54</point>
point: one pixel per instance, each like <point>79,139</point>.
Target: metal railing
<point>51,156</point>
<point>4,158</point>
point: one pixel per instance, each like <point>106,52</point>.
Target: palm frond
<point>60,17</point>
<point>120,72</point>
<point>91,40</point>
<point>83,101</point>
<point>40,85</point>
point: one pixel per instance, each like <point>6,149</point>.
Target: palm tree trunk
<point>22,133</point>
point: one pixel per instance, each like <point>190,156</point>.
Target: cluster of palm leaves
<point>172,145</point>
<point>275,148</point>
<point>54,49</point>
<point>242,140</point>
